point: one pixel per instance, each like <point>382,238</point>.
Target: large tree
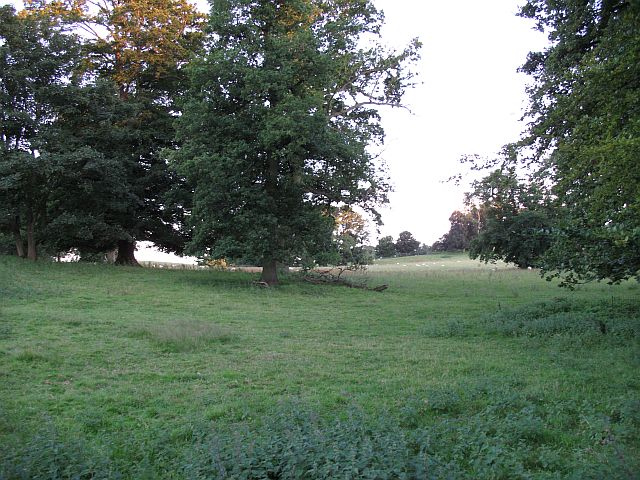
<point>584,135</point>
<point>278,120</point>
<point>386,247</point>
<point>59,179</point>
<point>37,60</point>
<point>142,46</point>
<point>84,187</point>
<point>464,227</point>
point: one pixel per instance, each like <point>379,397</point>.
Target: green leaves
<point>583,140</point>
<point>277,122</point>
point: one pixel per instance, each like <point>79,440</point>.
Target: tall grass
<point>184,335</point>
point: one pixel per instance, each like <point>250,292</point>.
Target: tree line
<point>247,133</point>
<point>242,134</point>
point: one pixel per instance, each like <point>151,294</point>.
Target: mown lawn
<point>457,369</point>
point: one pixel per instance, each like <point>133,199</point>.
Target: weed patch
<point>185,335</point>
<point>561,317</point>
<point>48,455</point>
<point>294,442</point>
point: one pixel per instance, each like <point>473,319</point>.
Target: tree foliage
<point>386,247</point>
<point>142,46</point>
<point>350,236</point>
<point>37,61</point>
<point>277,123</point>
<point>584,136</point>
<point>406,244</point>
<point>515,223</point>
<point>464,227</point>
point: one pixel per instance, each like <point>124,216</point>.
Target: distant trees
<point>350,237</point>
<point>516,223</point>
<point>403,246</point>
<point>464,228</point>
<point>386,247</point>
<point>406,244</point>
<point>506,219</point>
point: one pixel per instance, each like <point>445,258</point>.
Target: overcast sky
<point>470,101</point>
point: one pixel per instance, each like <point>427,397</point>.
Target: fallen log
<point>325,279</point>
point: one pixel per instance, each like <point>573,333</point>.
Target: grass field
<point>458,369</point>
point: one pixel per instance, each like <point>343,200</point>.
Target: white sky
<point>470,101</point>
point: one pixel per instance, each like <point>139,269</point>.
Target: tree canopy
<point>406,244</point>
<point>277,124</point>
<point>386,247</point>
<point>37,60</point>
<point>142,47</point>
<point>464,228</point>
<point>514,222</point>
<point>584,135</point>
<point>581,145</point>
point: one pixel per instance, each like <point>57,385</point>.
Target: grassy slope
<point>115,353</point>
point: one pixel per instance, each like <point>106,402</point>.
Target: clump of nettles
<point>479,432</point>
<point>560,317</point>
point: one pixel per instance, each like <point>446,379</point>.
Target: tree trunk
<point>269,272</point>
<point>32,253</point>
<point>126,253</point>
<point>111,256</point>
<point>15,227</point>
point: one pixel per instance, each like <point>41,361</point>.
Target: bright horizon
<point>470,102</point>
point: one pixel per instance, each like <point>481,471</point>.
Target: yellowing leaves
<point>132,38</point>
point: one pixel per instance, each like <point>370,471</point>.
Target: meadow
<point>457,370</point>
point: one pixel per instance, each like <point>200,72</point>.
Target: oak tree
<point>386,247</point>
<point>406,244</point>
<point>278,120</point>
<point>37,60</point>
<point>142,46</point>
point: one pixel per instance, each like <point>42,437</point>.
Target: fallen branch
<point>328,277</point>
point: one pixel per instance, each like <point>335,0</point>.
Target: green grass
<point>144,367</point>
